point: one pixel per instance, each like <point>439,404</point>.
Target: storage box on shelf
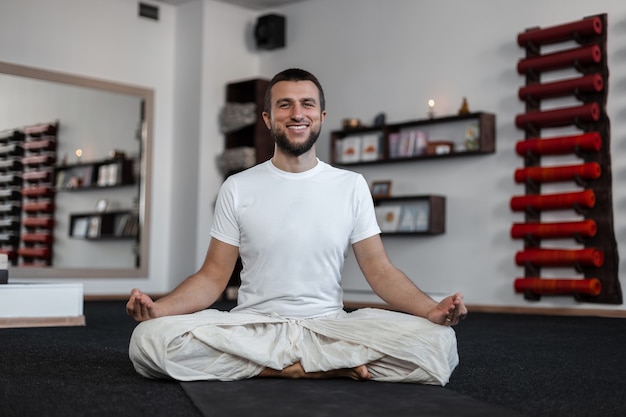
<point>451,136</point>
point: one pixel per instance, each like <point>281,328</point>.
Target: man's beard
<point>294,149</point>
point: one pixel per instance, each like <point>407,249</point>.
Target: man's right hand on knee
<point>140,306</point>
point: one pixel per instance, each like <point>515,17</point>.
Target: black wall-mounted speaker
<point>269,32</point>
<point>149,11</point>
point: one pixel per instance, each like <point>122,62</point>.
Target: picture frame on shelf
<point>408,218</point>
<point>94,227</point>
<point>381,189</point>
<point>388,218</point>
<point>102,205</point>
<point>351,149</point>
<point>370,147</point>
<point>80,227</point>
<point>421,212</point>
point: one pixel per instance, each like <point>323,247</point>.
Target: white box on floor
<point>41,304</point>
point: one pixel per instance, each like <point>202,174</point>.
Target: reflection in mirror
<point>94,137</point>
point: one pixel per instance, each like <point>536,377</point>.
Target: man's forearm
<point>397,290</point>
<point>194,294</point>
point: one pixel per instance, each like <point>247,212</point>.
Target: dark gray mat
<point>333,397</point>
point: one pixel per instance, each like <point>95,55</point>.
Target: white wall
<point>228,57</point>
<point>392,56</point>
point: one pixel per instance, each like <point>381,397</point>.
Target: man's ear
<point>323,118</point>
<point>267,119</point>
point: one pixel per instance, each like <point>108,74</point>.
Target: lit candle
<point>79,153</point>
<point>431,108</point>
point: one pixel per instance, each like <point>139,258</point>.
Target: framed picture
<point>388,218</point>
<point>80,226</point>
<point>101,205</point>
<point>415,217</point>
<point>381,189</point>
<point>94,227</point>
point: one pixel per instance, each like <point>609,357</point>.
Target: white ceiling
<point>250,4</point>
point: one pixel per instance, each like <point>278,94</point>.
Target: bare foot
<point>295,371</point>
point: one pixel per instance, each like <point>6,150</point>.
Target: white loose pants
<point>218,345</point>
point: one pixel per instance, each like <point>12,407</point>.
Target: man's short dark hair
<point>293,74</point>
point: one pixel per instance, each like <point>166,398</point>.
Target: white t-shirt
<point>293,231</point>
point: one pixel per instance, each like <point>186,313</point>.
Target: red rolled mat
<point>38,206</point>
<point>559,117</point>
<point>592,83</point>
<point>34,252</point>
<point>37,176</point>
<point>591,286</point>
<point>589,54</point>
<point>40,145</point>
<point>41,129</point>
<point>38,160</point>
<point>563,145</point>
<point>584,228</point>
<point>37,191</point>
<point>591,26</point>
<point>37,237</point>
<point>560,257</point>
<point>587,171</point>
<point>586,198</point>
<point>10,253</point>
<point>45,222</point>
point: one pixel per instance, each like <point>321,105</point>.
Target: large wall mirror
<point>100,182</point>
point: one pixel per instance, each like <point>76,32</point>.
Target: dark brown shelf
<point>483,143</point>
<point>108,225</point>
<point>87,176</point>
<point>256,135</point>
<point>411,215</point>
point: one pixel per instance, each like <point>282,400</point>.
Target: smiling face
<point>295,117</point>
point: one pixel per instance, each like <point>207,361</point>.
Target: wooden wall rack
<point>594,249</point>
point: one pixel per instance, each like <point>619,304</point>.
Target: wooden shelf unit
<point>116,172</point>
<point>442,137</point>
<point>108,225</point>
<point>255,135</point>
<point>411,215</point>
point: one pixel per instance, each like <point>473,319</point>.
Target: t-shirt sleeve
<point>225,226</point>
<point>365,217</point>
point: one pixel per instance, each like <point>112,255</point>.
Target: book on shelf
<point>394,143</point>
<point>121,222</point>
<point>406,145</point>
<point>128,225</point>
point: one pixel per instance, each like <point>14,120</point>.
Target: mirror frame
<point>147,95</point>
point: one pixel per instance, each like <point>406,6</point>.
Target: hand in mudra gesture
<point>449,311</point>
<point>140,306</point>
